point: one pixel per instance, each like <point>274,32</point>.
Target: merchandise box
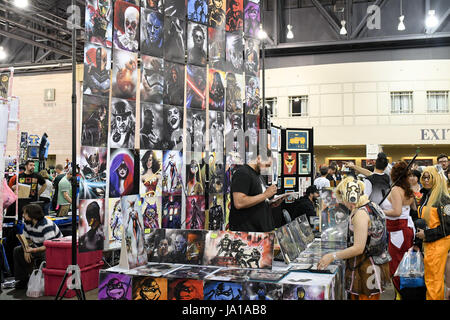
<point>307,286</point>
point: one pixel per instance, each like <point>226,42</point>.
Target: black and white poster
<point>172,135</point>
<point>234,53</point>
<point>94,129</point>
<point>152,79</point>
<point>196,129</point>
<point>174,39</point>
<point>216,131</point>
<point>175,8</point>
<point>197,44</point>
<point>216,48</point>
<point>251,57</point>
<point>174,84</point>
<point>123,123</point>
<point>152,126</point>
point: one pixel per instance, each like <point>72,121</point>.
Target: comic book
<point>287,244</point>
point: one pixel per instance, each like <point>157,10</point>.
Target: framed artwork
<point>290,182</point>
<point>289,163</point>
<point>303,184</point>
<point>297,140</point>
<point>304,163</point>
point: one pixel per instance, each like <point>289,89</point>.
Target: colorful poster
<point>151,212</point>
<point>220,290</point>
<point>172,182</point>
<point>235,16</point>
<point>150,178</point>
<point>239,249</point>
<point>195,212</point>
<point>91,228</point>
<point>196,87</point>
<point>290,182</point>
<point>115,225</point>
<point>133,225</point>
<point>289,163</point>
<point>97,70</point>
<point>157,5</point>
<point>216,82</point>
<point>185,289</point>
<point>304,163</point>
<point>126,26</point>
<point>114,286</point>
<point>98,22</point>
<point>274,139</point>
<point>252,18</point>
<point>297,140</point>
<point>123,172</point>
<point>149,288</point>
<point>217,14</point>
<point>171,212</point>
<point>125,75</point>
<point>197,10</point>
<point>93,173</point>
<point>195,174</point>
<point>262,291</point>
<point>152,33</point>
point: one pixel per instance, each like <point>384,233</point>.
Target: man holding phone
<point>250,205</point>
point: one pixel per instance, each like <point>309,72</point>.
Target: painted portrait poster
<point>123,172</point>
<point>152,79</point>
<point>151,168</point>
<point>235,92</point>
<point>123,123</point>
<point>174,84</point>
<point>252,95</point>
<point>185,289</point>
<point>195,174</point>
<point>126,26</point>
<point>252,18</point>
<point>94,128</point>
<point>251,57</point>
<point>115,224</point>
<point>196,130</point>
<point>91,235</point>
<point>196,88</point>
<point>125,75</point>
<point>297,140</point>
<point>197,44</point>
<point>97,70</point>
<point>216,131</point>
<point>98,22</point>
<point>216,172</point>
<point>149,288</point>
<point>151,212</point>
<point>197,10</point>
<point>171,212</point>
<point>172,131</point>
<point>93,173</point>
<point>217,13</point>
<point>114,286</point>
<point>156,5</point>
<point>235,15</point>
<point>216,212</point>
<point>216,81</point>
<point>195,212</point>
<point>216,48</point>
<point>172,181</point>
<point>152,33</point>
<point>174,39</point>
<point>234,52</point>
<point>175,8</point>
<point>152,126</point>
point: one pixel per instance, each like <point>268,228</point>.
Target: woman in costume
<point>121,175</point>
<point>194,183</point>
<point>151,173</point>
<point>367,255</point>
<point>435,211</point>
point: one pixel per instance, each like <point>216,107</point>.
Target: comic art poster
<point>216,131</point>
<point>297,140</point>
<point>303,184</point>
<point>124,78</point>
<point>235,16</point>
<point>133,225</point>
<point>195,174</point>
<point>174,84</point>
<point>251,57</point>
<point>251,130</point>
<point>185,289</point>
<point>149,288</point>
<point>154,269</point>
<point>195,212</point>
<point>235,92</point>
<point>179,246</point>
<point>252,95</point>
<point>123,123</point>
<point>197,44</point>
<point>98,22</point>
<point>234,133</point>
<point>234,53</point>
<point>151,211</point>
<point>152,33</point>
<point>196,87</point>
<point>304,163</point>
<point>175,8</point>
<point>252,18</point>
<point>152,126</point>
<point>274,139</point>
<point>239,249</point>
<point>171,212</point>
<point>156,5</point>
<point>152,79</point>
<point>150,177</point>
<point>222,290</point>
<point>115,223</point>
<point>216,212</point>
<point>97,70</point>
<point>290,182</point>
<point>172,134</point>
<point>300,240</point>
<point>94,128</point>
<point>192,272</point>
<point>216,80</point>
<point>91,234</point>
<point>126,26</point>
<point>216,48</point>
<point>123,172</point>
<point>216,172</point>
<point>286,241</point>
<point>197,10</point>
<point>174,39</point>
<point>217,13</point>
<point>172,182</point>
<point>93,173</point>
<point>262,291</point>
<point>333,217</point>
<point>289,163</point>
<point>196,130</point>
<point>114,286</point>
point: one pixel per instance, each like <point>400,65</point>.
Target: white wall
<point>349,103</point>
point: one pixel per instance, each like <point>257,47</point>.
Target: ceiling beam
<point>327,16</point>
<point>441,23</point>
<point>362,24</point>
<point>34,43</point>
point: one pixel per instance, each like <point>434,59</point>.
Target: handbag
<point>36,283</point>
<point>8,196</point>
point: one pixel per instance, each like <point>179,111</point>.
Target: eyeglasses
<point>426,178</point>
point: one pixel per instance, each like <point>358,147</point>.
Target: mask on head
<point>353,192</point>
<point>131,22</point>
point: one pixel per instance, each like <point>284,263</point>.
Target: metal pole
<point>74,142</point>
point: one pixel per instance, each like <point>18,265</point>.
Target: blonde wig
<point>351,190</point>
<point>437,191</point>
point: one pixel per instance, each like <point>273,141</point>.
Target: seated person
<point>37,229</point>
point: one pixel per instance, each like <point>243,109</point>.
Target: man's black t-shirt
<point>254,219</point>
<point>33,180</point>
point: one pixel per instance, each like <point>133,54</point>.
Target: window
<point>437,101</point>
<point>298,106</point>
<point>402,102</point>
<point>271,105</point>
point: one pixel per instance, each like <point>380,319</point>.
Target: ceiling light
<point>401,25</point>
<point>3,54</point>
<point>431,20</point>
<point>343,30</point>
<point>261,33</point>
<point>21,3</point>
<point>290,34</point>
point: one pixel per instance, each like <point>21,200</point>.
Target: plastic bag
<point>8,196</point>
<point>411,265</point>
<point>36,283</point>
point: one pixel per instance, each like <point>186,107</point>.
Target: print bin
<point>58,254</point>
<point>54,277</point>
